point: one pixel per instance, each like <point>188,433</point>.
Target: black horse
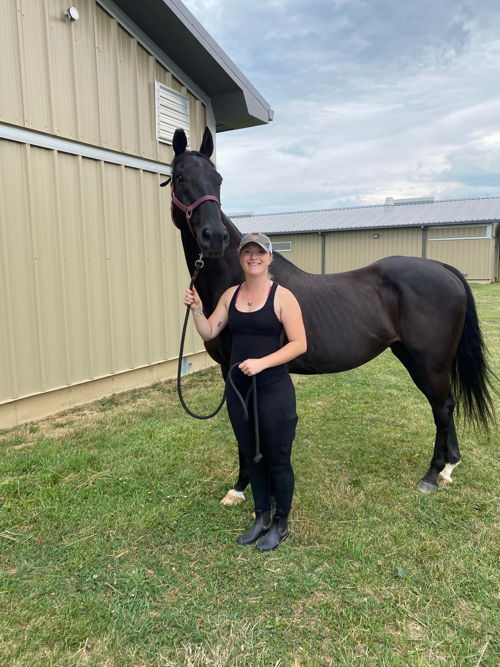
<point>422,309</point>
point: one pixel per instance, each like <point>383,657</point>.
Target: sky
<point>371,99</point>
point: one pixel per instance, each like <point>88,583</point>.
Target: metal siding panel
<point>61,68</point>
<point>99,322</point>
<point>106,31</point>
<point>174,277</point>
<point>84,53</point>
<point>135,261</point>
<point>471,257</point>
<point>11,108</point>
<point>50,293</point>
<point>306,251</point>
<point>198,120</point>
<point>117,269</point>
<point>34,63</point>
<point>352,250</point>
<point>24,348</point>
<point>152,221</point>
<point>146,103</point>
<point>128,92</point>
<point>74,268</point>
<point>8,376</point>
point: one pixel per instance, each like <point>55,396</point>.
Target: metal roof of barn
<point>235,101</point>
<point>408,214</point>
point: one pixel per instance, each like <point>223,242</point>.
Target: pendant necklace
<point>250,303</point>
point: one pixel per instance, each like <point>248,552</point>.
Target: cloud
<point>372,98</point>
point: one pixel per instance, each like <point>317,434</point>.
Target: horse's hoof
<point>426,487</point>
<point>233,497</point>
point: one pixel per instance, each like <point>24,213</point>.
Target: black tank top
<point>255,335</point>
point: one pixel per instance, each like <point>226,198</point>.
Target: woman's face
<point>254,259</point>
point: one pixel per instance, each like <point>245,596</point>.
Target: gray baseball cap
<point>258,238</point>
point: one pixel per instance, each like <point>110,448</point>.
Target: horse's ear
<point>179,142</point>
<point>207,144</point>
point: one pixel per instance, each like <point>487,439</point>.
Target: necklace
<point>249,303</point>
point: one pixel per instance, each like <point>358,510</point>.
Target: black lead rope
<point>199,264</point>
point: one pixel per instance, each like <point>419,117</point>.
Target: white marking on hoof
<point>445,474</point>
<point>233,497</point>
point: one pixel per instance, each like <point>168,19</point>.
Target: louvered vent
<point>172,112</point>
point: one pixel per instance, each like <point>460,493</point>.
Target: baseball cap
<point>259,238</point>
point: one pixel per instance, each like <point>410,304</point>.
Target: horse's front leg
<point>236,495</point>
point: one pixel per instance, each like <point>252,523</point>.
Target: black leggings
<point>277,422</point>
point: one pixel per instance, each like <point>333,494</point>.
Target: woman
<point>258,311</point>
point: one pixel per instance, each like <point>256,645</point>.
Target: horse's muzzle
<point>213,242</point>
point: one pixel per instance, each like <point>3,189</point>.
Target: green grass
<point>114,549</point>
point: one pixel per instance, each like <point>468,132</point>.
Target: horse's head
<point>196,194</point>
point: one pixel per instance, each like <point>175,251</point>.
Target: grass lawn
<point>114,549</point>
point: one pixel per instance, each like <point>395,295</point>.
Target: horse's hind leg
<point>443,419</point>
<point>452,455</point>
<point>436,388</point>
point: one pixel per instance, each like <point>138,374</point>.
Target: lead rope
<point>199,264</point>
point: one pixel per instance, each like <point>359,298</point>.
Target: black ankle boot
<point>275,535</point>
<point>260,526</point>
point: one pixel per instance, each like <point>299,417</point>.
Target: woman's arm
<point>291,318</point>
<point>210,327</point>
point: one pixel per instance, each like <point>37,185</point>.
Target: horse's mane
<point>230,226</point>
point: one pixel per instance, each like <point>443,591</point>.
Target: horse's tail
<point>471,376</point>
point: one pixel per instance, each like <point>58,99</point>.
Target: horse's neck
<point>219,274</point>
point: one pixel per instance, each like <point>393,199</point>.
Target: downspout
<point>323,251</point>
<point>424,241</point>
<point>495,234</point>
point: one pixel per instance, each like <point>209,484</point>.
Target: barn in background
<point>91,268</point>
<point>463,232</point>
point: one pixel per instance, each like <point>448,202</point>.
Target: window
<point>282,246</point>
<point>172,111</point>
<point>461,233</point>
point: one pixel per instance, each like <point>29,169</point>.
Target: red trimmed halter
<point>188,210</point>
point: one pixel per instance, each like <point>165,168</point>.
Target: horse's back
<point>351,317</point>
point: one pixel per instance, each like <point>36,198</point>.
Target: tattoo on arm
<point>219,324</point>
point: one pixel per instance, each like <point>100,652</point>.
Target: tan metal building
<point>91,268</point>
<point>464,233</point>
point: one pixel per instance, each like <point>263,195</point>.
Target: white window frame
<point>487,235</point>
<point>277,244</point>
<point>172,112</point>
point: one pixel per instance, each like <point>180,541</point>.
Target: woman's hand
<point>252,366</point>
<point>192,299</point>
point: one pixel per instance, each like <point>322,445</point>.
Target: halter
<point>188,210</point>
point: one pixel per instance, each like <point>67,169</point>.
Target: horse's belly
<point>334,359</point>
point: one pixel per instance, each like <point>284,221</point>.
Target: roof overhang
<point>235,102</point>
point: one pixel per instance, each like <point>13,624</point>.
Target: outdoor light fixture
<point>72,14</point>
<point>375,236</point>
